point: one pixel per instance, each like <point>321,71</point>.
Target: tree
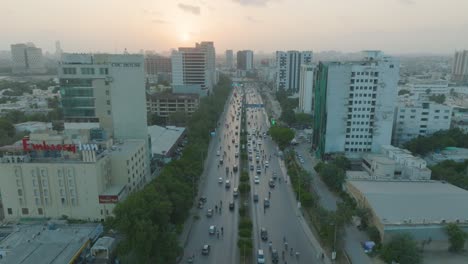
<point>8,127</point>
<point>402,249</point>
<point>342,162</point>
<point>288,116</point>
<point>457,237</point>
<point>440,99</point>
<point>155,119</point>
<point>178,118</point>
<point>333,176</point>
<point>281,135</point>
<point>303,119</point>
<point>403,92</point>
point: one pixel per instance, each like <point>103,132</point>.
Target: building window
<point>36,192</point>
<point>10,211</point>
<point>40,211</point>
<point>103,71</point>
<point>69,70</point>
<point>37,201</point>
<point>445,117</point>
<point>87,71</point>
<point>436,117</point>
<point>25,211</point>
<point>63,201</point>
<point>20,192</point>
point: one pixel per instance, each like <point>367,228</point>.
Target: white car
<point>267,163</point>
<point>212,230</point>
<point>218,153</point>
<point>220,180</point>
<point>260,257</point>
<point>256,180</point>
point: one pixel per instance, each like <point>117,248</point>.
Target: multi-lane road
<point>282,219</point>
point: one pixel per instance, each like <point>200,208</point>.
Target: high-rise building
<point>156,64</point>
<point>245,60</point>
<point>58,50</point>
<point>460,66</point>
<point>354,104</point>
<point>306,86</point>
<point>195,67</point>
<point>289,68</point>
<point>107,89</point>
<point>415,118</point>
<point>229,59</point>
<point>27,59</point>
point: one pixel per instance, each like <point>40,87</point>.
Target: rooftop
<point>36,244</point>
<point>397,202</point>
<point>163,138</point>
<point>173,96</point>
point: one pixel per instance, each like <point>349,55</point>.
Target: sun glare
<point>184,37</point>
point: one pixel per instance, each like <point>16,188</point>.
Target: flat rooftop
<point>36,244</point>
<point>163,138</point>
<point>403,202</point>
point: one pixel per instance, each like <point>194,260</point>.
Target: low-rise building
<point>73,174</point>
<point>32,126</point>
<point>165,141</point>
<point>392,164</point>
<point>164,104</point>
<point>422,209</point>
<point>419,118</point>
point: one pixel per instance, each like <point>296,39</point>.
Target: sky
<point>394,26</point>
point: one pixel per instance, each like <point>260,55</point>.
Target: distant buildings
<point>419,118</point>
<point>164,104</point>
<point>158,68</point>
<point>245,60</point>
<point>289,68</point>
<point>306,86</point>
<point>195,67</point>
<point>229,59</point>
<point>460,67</point>
<point>27,59</point>
<point>106,89</point>
<point>354,105</point>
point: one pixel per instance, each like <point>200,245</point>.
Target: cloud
<point>252,19</point>
<point>407,2</point>
<point>159,21</point>
<point>190,8</point>
<point>252,2</point>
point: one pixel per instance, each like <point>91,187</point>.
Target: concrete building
<point>419,118</point>
<point>289,68</point>
<point>229,59</point>
<point>424,89</point>
<point>32,126</point>
<point>245,60</point>
<point>105,88</point>
<point>164,104</point>
<point>158,68</point>
<point>306,89</point>
<point>78,173</point>
<point>56,243</point>
<point>195,66</point>
<point>422,209</point>
<point>460,67</point>
<point>392,164</point>
<point>354,105</point>
<point>164,141</point>
<point>27,59</point>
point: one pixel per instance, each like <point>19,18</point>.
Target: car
<point>252,167</point>
<point>250,158</point>
<point>231,206</point>
<point>235,192</point>
<point>227,185</point>
<point>274,256</point>
<point>234,168</point>
<point>256,180</point>
<point>267,163</point>
<point>259,170</point>
<point>206,249</point>
<point>200,205</point>
<point>264,234</point>
<point>236,154</point>
<point>212,230</point>
<point>260,257</point>
<point>302,161</point>
<point>202,199</point>
<point>271,183</point>
<point>266,202</point>
<point>255,197</point>
<point>220,180</point>
<point>209,213</point>
<point>275,175</point>
<point>221,161</point>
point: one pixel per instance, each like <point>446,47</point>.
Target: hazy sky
<point>394,26</point>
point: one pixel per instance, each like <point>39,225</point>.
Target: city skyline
<point>422,27</point>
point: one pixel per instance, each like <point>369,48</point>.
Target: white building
<point>27,59</point>
<point>354,104</point>
<point>229,59</point>
<point>107,89</point>
<point>419,118</point>
<point>392,164</point>
<point>72,173</point>
<point>306,89</point>
<point>195,66</point>
<point>422,90</point>
<point>289,68</point>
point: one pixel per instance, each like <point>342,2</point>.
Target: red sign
<point>58,147</point>
<point>106,199</point>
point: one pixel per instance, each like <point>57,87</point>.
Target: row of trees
<point>452,172</point>
<point>438,141</point>
<point>281,135</point>
<point>151,219</point>
<point>333,173</point>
